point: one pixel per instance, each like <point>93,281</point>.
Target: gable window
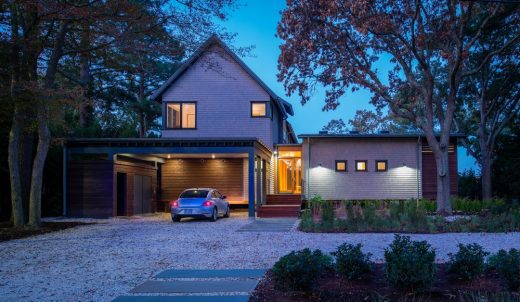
<point>258,109</point>
<point>381,165</point>
<point>181,115</point>
<point>361,166</point>
<point>341,166</point>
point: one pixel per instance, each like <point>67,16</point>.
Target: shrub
<point>299,270</point>
<point>507,265</point>
<point>351,262</point>
<point>468,263</point>
<point>327,215</point>
<point>306,223</point>
<point>409,264</point>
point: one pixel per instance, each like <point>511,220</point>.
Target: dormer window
<point>258,109</point>
<point>181,115</point>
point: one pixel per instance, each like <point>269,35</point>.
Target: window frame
<point>360,161</point>
<point>340,161</point>
<point>267,111</point>
<point>382,161</point>
<point>180,120</point>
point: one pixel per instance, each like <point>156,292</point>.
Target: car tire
<point>228,212</point>
<point>176,218</point>
<point>214,216</point>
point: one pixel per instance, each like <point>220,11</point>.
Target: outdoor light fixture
<point>404,164</point>
<point>169,156</point>
<point>212,155</point>
<point>275,152</point>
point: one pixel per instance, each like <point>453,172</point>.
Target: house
<point>223,127</point>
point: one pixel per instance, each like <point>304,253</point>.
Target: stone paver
<point>269,225</point>
<point>216,273</point>
<point>243,298</point>
<point>196,287</point>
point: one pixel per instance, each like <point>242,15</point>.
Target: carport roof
<point>164,142</point>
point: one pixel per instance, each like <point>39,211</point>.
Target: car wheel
<point>214,216</point>
<point>228,212</point>
<point>176,218</point>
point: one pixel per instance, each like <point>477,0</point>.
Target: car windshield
<point>194,194</point>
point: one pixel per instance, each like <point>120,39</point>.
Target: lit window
<point>341,166</point>
<point>361,165</point>
<point>381,165</point>
<point>181,115</point>
<point>258,109</point>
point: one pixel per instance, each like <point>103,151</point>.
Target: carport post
<point>251,184</point>
<point>64,179</point>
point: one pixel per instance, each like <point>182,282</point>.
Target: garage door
<point>142,194</point>
<point>226,175</point>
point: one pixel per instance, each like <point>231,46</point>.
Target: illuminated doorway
<point>289,170</point>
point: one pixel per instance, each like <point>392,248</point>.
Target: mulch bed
<point>375,288</point>
<point>9,233</point>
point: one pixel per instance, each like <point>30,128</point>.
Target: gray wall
<point>399,182</point>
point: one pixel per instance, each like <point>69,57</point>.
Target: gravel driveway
<point>99,262</point>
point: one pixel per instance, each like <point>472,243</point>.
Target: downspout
<point>417,155</point>
<point>64,179</point>
<point>308,170</point>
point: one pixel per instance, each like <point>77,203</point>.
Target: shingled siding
<point>223,92</point>
<point>401,181</point>
<point>225,175</point>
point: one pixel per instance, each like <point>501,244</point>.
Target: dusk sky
<point>255,24</point>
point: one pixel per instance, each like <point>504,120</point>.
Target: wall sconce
<point>213,156</point>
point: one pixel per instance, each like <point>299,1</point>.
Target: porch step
<point>283,198</point>
<point>266,211</point>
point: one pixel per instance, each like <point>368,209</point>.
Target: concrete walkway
<point>269,225</point>
<point>220,285</point>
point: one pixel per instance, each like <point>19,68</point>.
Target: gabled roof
<point>284,106</point>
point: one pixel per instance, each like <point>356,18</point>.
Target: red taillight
<point>174,204</point>
<point>207,203</point>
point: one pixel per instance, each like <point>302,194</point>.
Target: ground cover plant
<point>7,232</point>
<point>409,216</point>
<point>409,274</point>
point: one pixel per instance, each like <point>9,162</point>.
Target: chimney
<point>323,132</point>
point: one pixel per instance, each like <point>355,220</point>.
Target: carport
<point>119,177</point>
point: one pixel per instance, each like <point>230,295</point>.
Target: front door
<point>289,172</point>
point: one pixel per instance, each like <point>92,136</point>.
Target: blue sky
<point>255,24</point>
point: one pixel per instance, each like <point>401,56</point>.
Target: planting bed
<point>330,287</point>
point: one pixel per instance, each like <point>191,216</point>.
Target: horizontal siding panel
<point>225,175</point>
<point>399,182</point>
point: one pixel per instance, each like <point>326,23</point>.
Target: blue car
<point>201,203</point>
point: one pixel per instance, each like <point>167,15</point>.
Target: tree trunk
<point>486,164</point>
<point>14,170</point>
<point>44,140</point>
<point>443,182</point>
<point>25,151</point>
<point>84,77</point>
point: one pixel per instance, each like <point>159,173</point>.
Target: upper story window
<point>361,165</point>
<point>381,165</point>
<point>259,109</point>
<point>181,115</point>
